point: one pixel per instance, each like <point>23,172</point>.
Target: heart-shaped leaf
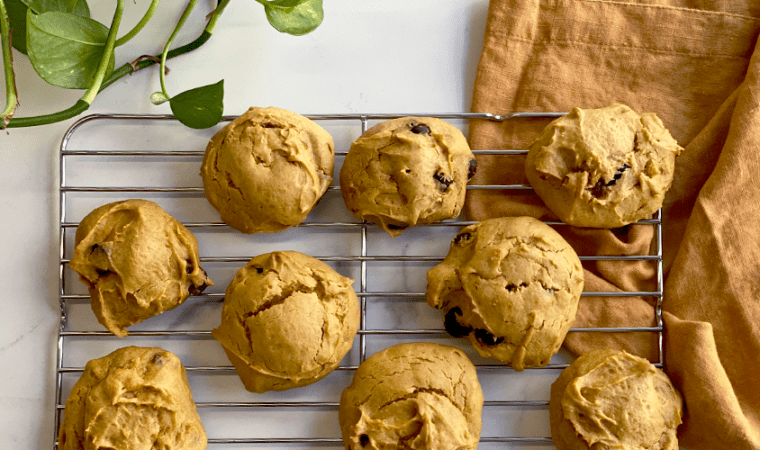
<point>296,17</point>
<point>17,10</point>
<point>200,107</point>
<point>65,49</point>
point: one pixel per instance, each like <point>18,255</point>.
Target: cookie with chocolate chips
<point>408,171</point>
<point>137,261</point>
<point>603,168</point>
<point>288,320</point>
<point>511,287</point>
<point>265,171</point>
<point>133,398</point>
<point>413,396</point>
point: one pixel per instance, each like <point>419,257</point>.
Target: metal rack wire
<point>76,336</point>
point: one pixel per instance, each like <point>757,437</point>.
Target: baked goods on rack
<point>288,320</point>
<point>611,399</point>
<point>137,261</point>
<point>133,398</point>
<point>407,171</point>
<point>413,396</point>
<point>510,286</point>
<point>603,168</point>
<point>266,170</point>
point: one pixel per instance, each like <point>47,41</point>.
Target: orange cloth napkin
<point>693,62</point>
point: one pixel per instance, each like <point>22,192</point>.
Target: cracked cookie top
<point>413,396</point>
<point>511,286</point>
<point>266,170</point>
<point>603,168</point>
<point>133,398</point>
<point>288,320</point>
<point>611,399</point>
<point>407,171</point>
<point>137,262</point>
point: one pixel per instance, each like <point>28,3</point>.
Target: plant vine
<point>70,50</point>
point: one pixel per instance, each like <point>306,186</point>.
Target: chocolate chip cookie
<point>611,399</point>
<point>413,396</point>
<point>603,168</point>
<point>133,398</point>
<point>408,171</point>
<point>510,286</point>
<point>288,320</point>
<point>137,262</point>
<point>265,171</point>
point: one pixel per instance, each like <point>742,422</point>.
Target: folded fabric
<point>691,62</point>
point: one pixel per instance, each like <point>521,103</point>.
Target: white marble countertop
<point>367,56</point>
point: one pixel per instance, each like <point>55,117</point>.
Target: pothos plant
<point>68,48</point>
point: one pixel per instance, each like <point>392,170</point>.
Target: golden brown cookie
<point>288,320</point>
<point>137,262</point>
<point>603,168</point>
<point>134,398</point>
<point>413,396</point>
<point>610,399</point>
<point>511,286</point>
<point>267,169</point>
<point>407,171</point>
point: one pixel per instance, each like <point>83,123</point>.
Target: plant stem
<point>11,97</point>
<point>190,5</point>
<point>126,69</point>
<point>215,15</point>
<point>148,14</point>
<point>89,96</point>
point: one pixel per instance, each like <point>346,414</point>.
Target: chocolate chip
<point>599,189</point>
<point>197,290</point>
<point>420,128</point>
<point>98,257</point>
<point>486,338</point>
<point>259,269</point>
<point>364,440</point>
<point>452,325</point>
<point>443,181</point>
<point>157,359</point>
<point>619,174</point>
<point>270,125</point>
<point>190,267</point>
<point>471,169</point>
<point>513,287</point>
<point>463,238</point>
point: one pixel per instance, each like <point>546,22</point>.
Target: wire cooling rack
<point>106,158</point>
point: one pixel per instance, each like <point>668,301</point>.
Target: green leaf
<point>17,10</point>
<point>296,17</point>
<point>65,49</point>
<point>200,107</point>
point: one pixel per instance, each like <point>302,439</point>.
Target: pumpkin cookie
<point>288,320</point>
<point>407,171</point>
<point>510,286</point>
<point>413,396</point>
<point>611,399</point>
<point>137,262</point>
<point>133,398</point>
<point>603,168</point>
<point>266,170</point>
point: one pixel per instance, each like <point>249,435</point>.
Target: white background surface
<point>367,56</point>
